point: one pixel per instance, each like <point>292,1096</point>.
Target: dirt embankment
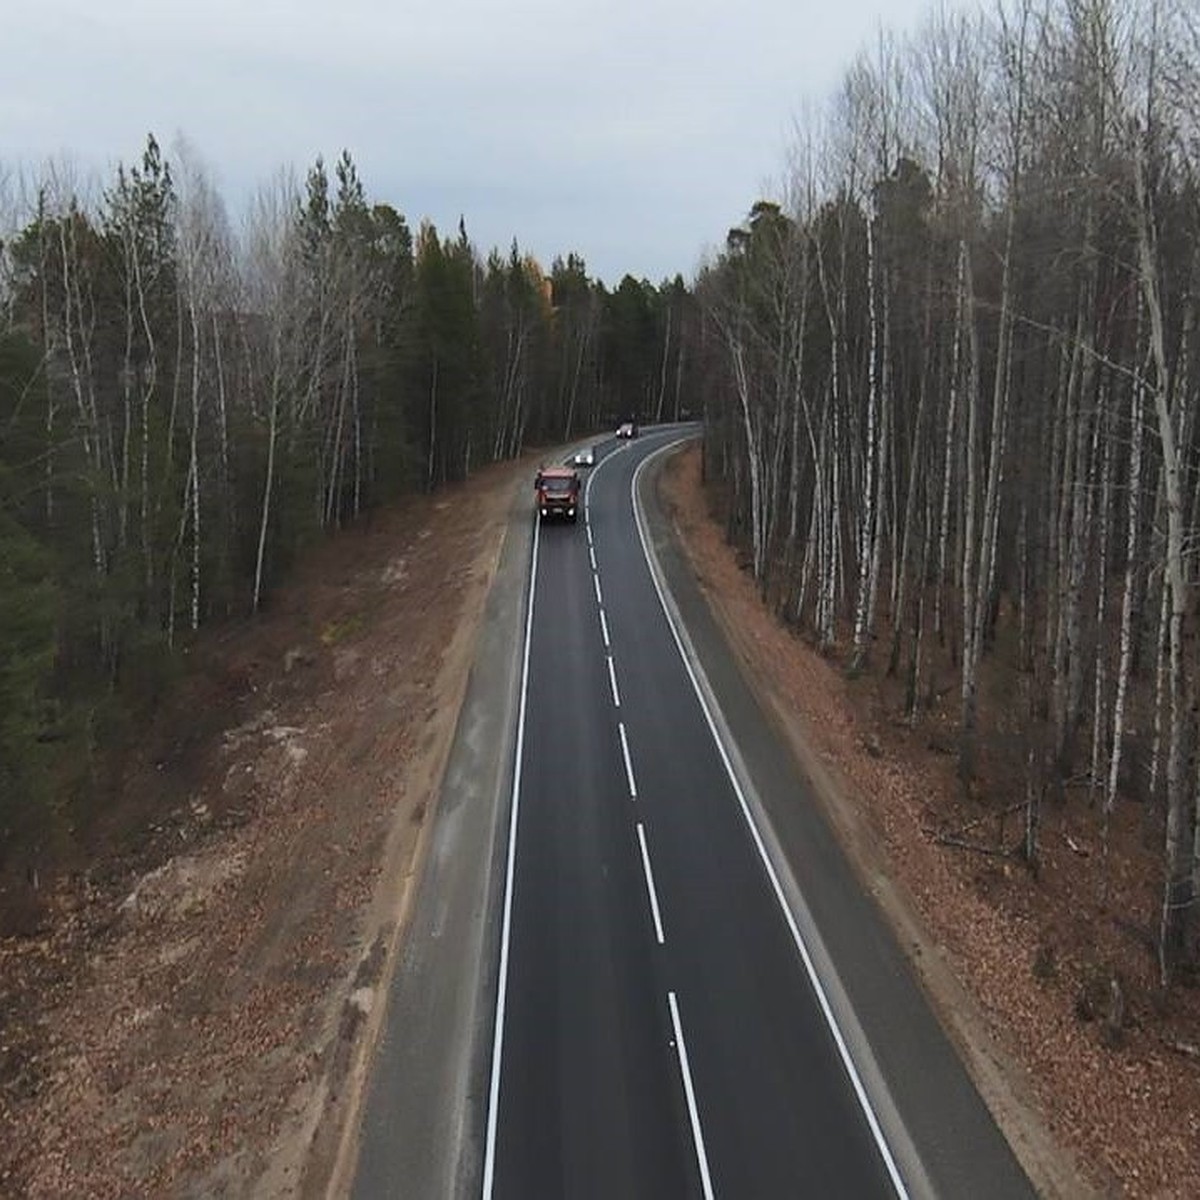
<point>189,1011</point>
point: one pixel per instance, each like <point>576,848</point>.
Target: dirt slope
<point>190,1006</point>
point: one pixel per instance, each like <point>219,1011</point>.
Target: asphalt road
<point>661,1036</point>
<point>672,985</point>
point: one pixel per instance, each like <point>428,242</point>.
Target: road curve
<point>658,1033</point>
<point>681,989</point>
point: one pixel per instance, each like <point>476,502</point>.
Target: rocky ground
<point>188,1016</point>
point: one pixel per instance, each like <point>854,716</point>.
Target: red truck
<point>557,492</point>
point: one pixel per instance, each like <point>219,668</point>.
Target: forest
<point>948,377</point>
<point>951,388</point>
<point>186,404</point>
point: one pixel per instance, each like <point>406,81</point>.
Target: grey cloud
<point>632,132</point>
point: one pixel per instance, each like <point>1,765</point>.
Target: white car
<point>584,458</point>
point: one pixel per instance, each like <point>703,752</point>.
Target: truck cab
<point>556,491</point>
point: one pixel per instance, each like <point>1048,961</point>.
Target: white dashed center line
<point>604,629</point>
<point>612,679</point>
<point>690,1093</point>
<point>628,761</point>
<point>596,583</point>
<point>658,929</point>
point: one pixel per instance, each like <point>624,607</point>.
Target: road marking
<point>612,678</point>
<point>856,1083</point>
<point>489,1156</point>
<point>596,582</point>
<point>592,556</point>
<point>658,929</point>
<point>604,629</point>
<point>690,1093</point>
<point>587,503</point>
<point>628,761</point>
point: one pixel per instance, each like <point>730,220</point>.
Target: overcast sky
<point>634,132</point>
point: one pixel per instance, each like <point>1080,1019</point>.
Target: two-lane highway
<point>639,964</point>
<point>657,1032</point>
<point>580,1090</point>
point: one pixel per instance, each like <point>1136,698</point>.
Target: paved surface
<point>642,915</point>
<point>677,1014</point>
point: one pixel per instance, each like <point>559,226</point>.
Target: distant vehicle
<point>557,493</point>
<point>585,458</point>
<point>628,430</point>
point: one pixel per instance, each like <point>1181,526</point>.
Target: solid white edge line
<point>628,760</point>
<point>690,1094</point>
<point>489,1156</point>
<point>658,928</point>
<point>612,678</point>
<point>587,503</point>
<point>798,938</point>
<point>604,629</point>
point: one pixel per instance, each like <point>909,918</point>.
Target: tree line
<point>951,389</point>
<point>185,406</point>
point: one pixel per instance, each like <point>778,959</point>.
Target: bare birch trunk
<point>222,405</point>
<point>1100,681</point>
<point>966,760</point>
<point>82,388</point>
<point>866,528</point>
<point>948,449</point>
<point>1132,520</point>
<point>269,481</point>
<point>194,456</point>
<point>1177,898</point>
<point>753,458</point>
<point>833,572</point>
<point>915,477</point>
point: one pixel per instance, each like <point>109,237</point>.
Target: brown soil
<point>185,1013</point>
<point>191,1015</point>
<point>1021,970</point>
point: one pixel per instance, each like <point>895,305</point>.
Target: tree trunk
<point>970,683</point>
<point>1177,897</point>
<point>1132,521</point>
